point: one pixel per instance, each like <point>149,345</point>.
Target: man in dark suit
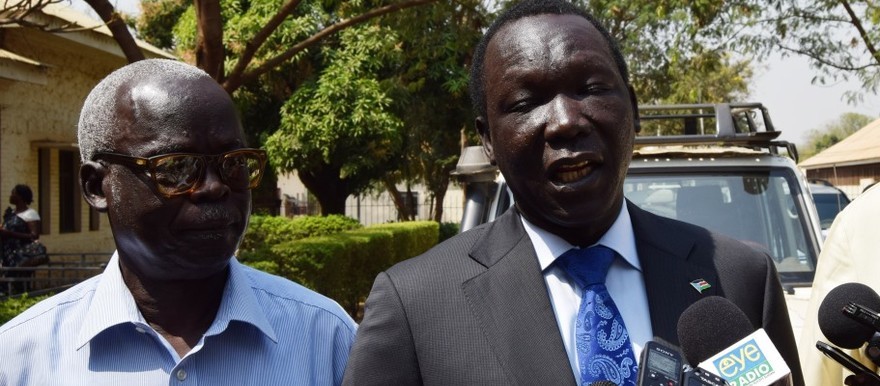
<point>497,305</point>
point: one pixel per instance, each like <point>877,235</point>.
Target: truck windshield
<point>760,209</point>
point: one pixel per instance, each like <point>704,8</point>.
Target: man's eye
<point>594,88</point>
<point>521,106</point>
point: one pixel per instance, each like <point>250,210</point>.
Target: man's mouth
<point>574,172</point>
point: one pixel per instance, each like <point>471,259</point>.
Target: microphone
<point>845,325</point>
<point>717,335</point>
<point>847,318</point>
<point>661,364</point>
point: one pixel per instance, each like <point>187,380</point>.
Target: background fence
<point>379,208</point>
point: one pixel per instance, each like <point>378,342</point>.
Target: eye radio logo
<point>744,365</point>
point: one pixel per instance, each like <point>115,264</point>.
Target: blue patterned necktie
<point>603,345</point>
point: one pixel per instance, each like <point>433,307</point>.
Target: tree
<point>212,47</point>
<point>839,37</point>
<point>431,97</point>
<point>336,130</point>
<point>330,174</point>
<point>833,132</point>
<point>676,49</point>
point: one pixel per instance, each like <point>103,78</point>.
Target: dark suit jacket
<point>475,309</point>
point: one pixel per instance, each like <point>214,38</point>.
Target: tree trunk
<point>399,202</point>
<point>438,205</point>
<point>210,54</point>
<point>118,28</point>
<point>330,191</point>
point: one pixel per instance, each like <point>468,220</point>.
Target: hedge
<point>343,266</point>
<point>266,231</point>
<point>10,307</point>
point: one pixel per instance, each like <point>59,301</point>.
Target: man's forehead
<point>545,30</point>
<point>166,116</point>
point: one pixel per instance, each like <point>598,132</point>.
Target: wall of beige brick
<point>32,115</point>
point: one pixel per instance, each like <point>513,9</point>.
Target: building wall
<point>37,116</point>
<point>851,179</point>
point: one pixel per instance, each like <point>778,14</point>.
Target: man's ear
<point>485,138</point>
<point>91,178</point>
<point>637,123</point>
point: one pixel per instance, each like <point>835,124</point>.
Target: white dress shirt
<point>624,281</point>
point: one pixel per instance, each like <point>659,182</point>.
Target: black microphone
<point>709,326</point>
<point>718,337</point>
<point>838,325</point>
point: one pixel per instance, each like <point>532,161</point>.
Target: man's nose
<point>213,187</point>
<point>566,118</point>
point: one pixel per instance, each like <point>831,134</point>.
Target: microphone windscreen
<point>709,326</point>
<point>840,329</point>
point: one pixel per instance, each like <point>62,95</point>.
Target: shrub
<point>264,232</point>
<point>11,307</point>
<point>447,230</point>
<point>343,266</point>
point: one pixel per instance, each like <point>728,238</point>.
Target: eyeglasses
<point>181,173</point>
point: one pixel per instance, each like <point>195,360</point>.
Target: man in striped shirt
<point>164,156</point>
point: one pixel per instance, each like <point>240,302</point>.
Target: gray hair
<point>98,118</point>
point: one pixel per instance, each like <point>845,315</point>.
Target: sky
<point>783,85</point>
<point>795,105</point>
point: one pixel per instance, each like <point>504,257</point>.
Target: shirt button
<point>181,375</point>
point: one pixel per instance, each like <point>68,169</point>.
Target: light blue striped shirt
<point>268,331</point>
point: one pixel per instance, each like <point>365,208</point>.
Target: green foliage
<point>386,99</point>
<point>157,20</point>
<point>11,307</point>
<point>833,132</point>
<point>341,118</point>
<point>266,231</point>
<point>431,91</point>
<point>448,229</point>
<point>343,265</point>
<point>677,49</point>
<point>839,38</point>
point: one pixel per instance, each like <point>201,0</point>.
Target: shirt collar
<point>619,237</point>
<point>112,304</point>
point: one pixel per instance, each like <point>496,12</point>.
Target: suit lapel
<point>668,269</point>
<point>510,302</point>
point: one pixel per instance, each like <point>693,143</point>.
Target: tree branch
<point>236,79</point>
<point>118,28</point>
<point>16,13</point>
<point>825,62</point>
<point>862,33</point>
<point>254,44</point>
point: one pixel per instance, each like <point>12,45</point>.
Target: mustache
<point>214,213</point>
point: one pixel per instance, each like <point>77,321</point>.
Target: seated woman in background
<point>21,226</point>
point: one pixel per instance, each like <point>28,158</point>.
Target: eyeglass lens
<point>179,173</point>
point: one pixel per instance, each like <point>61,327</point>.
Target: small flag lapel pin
<point>701,285</point>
